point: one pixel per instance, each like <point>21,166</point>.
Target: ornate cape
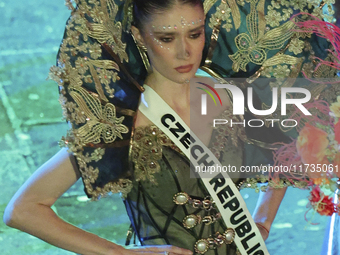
<point>99,70</point>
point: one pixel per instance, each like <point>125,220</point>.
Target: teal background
<point>31,127</point>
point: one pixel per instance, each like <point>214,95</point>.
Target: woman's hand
<point>30,209</point>
<point>158,250</point>
<point>266,209</point>
<point>263,230</point>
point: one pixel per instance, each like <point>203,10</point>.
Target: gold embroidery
<point>252,183</point>
<point>281,71</point>
<point>261,18</point>
<point>106,30</point>
<point>105,78</point>
<point>252,48</point>
<point>128,15</point>
<point>274,18</point>
<point>92,115</point>
<point>235,13</point>
<point>146,148</point>
<point>254,45</point>
<point>98,116</point>
<point>296,46</point>
<point>101,121</point>
<point>89,173</point>
<point>222,14</point>
<point>97,83</point>
<point>207,4</point>
<point>281,59</point>
<point>267,72</point>
<point>146,151</point>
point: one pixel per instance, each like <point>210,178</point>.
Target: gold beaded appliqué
<point>146,151</point>
<point>94,119</point>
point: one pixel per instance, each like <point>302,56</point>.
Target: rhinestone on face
<point>181,198</point>
<point>229,235</point>
<point>190,221</point>
<point>202,246</point>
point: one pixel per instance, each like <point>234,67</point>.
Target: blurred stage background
<point>31,127</point>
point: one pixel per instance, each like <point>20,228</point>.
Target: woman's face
<point>174,40</point>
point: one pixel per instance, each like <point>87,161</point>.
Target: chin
<point>188,76</point>
<point>185,80</point>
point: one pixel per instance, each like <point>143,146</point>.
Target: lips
<point>184,69</point>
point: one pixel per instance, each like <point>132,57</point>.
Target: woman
<point>102,109</point>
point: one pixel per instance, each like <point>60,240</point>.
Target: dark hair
<point>143,9</point>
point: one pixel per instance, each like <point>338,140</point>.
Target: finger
<point>149,252</point>
<point>164,248</point>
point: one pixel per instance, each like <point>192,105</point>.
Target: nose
<point>183,49</point>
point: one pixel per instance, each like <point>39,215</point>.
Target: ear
<point>137,36</point>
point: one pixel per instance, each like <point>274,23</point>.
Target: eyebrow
<point>172,33</point>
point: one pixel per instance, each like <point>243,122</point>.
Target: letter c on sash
<point>194,148</point>
<point>167,116</point>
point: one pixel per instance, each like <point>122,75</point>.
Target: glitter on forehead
<point>183,24</point>
<point>164,27</point>
<point>183,21</point>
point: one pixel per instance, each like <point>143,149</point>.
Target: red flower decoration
<point>337,132</point>
<point>321,203</point>
<point>311,144</point>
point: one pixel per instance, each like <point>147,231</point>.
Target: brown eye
<point>166,39</point>
<point>196,35</point>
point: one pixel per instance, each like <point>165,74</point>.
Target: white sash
<point>220,186</point>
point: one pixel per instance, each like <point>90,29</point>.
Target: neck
<point>177,95</point>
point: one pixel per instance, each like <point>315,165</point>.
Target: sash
<point>222,190</point>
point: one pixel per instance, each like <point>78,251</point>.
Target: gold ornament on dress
<point>252,47</point>
<point>146,151</point>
